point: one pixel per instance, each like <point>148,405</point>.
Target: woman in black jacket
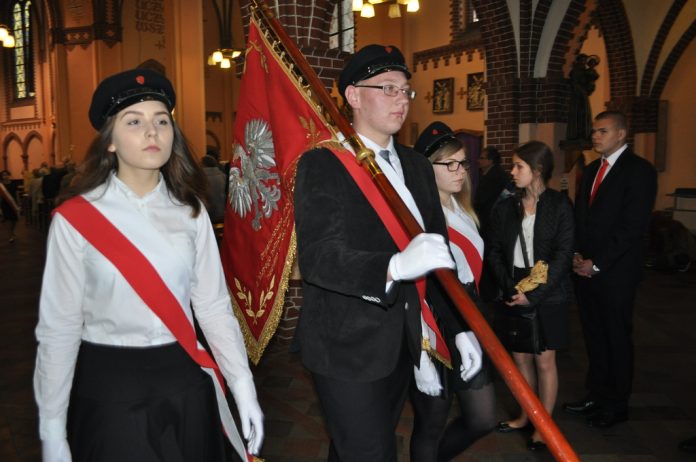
<point>544,217</point>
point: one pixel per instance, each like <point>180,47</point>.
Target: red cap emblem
<point>388,49</point>
<point>140,79</point>
<point>435,132</point>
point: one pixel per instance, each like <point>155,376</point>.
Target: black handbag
<point>519,331</point>
<point>518,328</point>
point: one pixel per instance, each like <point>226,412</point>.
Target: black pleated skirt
<point>142,404</point>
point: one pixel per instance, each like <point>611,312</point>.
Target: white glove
<point>250,413</point>
<point>55,451</point>
<point>470,351</point>
<point>427,378</point>
<point>426,252</point>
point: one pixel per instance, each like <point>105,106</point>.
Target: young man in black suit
<point>359,330</point>
<point>612,214</point>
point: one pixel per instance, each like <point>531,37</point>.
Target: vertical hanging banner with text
<point>276,122</point>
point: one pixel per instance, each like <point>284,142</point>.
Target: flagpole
<point>556,442</point>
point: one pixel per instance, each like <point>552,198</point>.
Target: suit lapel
<point>589,176</point>
<point>613,175</point>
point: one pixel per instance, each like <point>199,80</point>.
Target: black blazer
<point>349,328</point>
<point>487,193</point>
<point>553,243</point>
<point>612,229</point>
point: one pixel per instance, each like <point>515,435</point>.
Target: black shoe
<point>536,445</point>
<point>505,427</point>
<point>607,419</point>
<point>688,445</point>
<point>584,407</point>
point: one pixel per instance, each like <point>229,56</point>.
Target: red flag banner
<point>276,122</point>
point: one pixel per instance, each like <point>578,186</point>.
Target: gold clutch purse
<point>537,275</point>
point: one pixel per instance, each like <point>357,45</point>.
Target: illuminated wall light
<point>225,63</point>
<point>217,56</point>
<point>9,42</point>
<point>4,33</point>
<point>394,10</point>
<point>357,5</point>
<point>412,6</point>
<point>236,53</point>
<point>375,2</point>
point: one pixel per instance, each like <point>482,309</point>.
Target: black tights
<point>429,443</point>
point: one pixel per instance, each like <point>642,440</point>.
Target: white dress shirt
<point>394,163</point>
<point>528,233</point>
<point>84,297</point>
<point>611,160</point>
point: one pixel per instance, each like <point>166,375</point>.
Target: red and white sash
<point>143,277</point>
<point>466,245</point>
<point>435,345</point>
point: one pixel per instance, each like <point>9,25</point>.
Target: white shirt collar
<point>376,147</point>
<point>614,156</point>
<point>116,182</point>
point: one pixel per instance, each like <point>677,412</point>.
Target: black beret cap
<point>127,88</point>
<point>433,137</point>
<point>370,61</point>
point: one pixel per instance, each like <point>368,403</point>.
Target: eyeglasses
<point>392,90</point>
<point>453,165</point>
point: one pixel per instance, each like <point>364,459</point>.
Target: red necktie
<point>600,177</point>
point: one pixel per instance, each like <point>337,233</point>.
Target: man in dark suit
<point>359,330</point>
<point>492,181</point>
<point>612,214</point>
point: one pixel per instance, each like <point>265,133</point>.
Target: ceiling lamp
<point>8,41</point>
<point>394,10</point>
<point>224,57</point>
<point>367,10</point>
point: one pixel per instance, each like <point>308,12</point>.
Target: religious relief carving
<point>149,16</point>
<point>76,9</point>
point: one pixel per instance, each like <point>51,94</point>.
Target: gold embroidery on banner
<point>245,294</point>
<point>262,56</point>
<point>255,348</point>
<point>427,347</point>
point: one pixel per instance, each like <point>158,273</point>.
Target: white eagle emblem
<point>252,184</point>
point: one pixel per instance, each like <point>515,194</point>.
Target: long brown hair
<point>463,197</point>
<point>183,176</point>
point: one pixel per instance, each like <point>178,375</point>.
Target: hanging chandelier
<point>6,37</point>
<point>224,57</point>
<point>367,9</point>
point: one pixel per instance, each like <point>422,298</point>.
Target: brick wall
<point>502,87</point>
<point>291,313</point>
<point>307,23</point>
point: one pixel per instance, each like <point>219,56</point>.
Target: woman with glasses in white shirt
<point>431,441</point>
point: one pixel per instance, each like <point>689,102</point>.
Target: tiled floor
<point>663,408</point>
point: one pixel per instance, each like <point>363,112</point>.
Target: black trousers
<point>142,404</point>
<point>606,313</point>
<point>362,416</point>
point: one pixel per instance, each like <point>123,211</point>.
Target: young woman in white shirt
<point>544,218</point>
<point>430,440</point>
<point>112,381</point>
